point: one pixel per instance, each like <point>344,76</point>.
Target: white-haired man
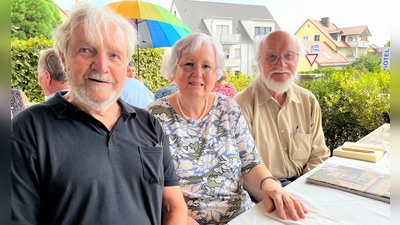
<point>284,119</point>
<point>88,157</point>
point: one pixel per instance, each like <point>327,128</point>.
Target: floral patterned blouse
<point>165,91</point>
<point>226,89</point>
<point>210,158</point>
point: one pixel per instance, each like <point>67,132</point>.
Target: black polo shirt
<point>68,168</point>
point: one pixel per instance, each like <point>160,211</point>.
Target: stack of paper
<point>366,152</point>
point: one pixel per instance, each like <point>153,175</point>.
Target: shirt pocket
<point>301,148</point>
<point>152,164</point>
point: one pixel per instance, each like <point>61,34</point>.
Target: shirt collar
<point>52,94</point>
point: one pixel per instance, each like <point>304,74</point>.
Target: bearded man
<point>284,119</point>
<point>88,157</point>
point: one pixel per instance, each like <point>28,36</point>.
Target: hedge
<point>353,104</point>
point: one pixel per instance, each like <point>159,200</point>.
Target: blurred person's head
<point>51,74</point>
<point>131,72</point>
<point>164,65</point>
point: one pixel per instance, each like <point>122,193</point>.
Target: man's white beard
<point>83,95</point>
<point>278,87</point>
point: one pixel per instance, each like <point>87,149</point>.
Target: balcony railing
<point>229,39</point>
<point>232,62</point>
<point>359,44</point>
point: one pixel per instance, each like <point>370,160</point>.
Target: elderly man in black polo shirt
<point>87,157</point>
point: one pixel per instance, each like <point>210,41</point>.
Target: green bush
<point>352,104</point>
<point>24,59</point>
<point>241,81</point>
<point>149,67</point>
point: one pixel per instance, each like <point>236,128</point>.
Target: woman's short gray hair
<point>191,43</point>
<point>94,19</point>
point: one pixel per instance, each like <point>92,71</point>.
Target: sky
<point>291,14</point>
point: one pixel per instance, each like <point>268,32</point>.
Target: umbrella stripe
<point>171,18</point>
<point>148,11</point>
<point>145,10</point>
<point>163,34</point>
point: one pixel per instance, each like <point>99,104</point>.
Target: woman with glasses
<point>210,143</point>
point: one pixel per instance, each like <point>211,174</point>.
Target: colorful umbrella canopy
<point>156,26</point>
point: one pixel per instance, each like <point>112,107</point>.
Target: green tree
<point>387,44</point>
<point>367,63</point>
<point>33,18</point>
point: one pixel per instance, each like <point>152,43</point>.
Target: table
<point>327,205</point>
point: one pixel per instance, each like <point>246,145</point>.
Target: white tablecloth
<point>327,205</point>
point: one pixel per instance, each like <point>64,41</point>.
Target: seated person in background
<point>131,73</point>
<point>135,93</point>
<point>19,101</point>
<point>210,142</point>
<point>51,75</point>
<point>171,87</point>
<point>284,119</point>
<point>224,87</point>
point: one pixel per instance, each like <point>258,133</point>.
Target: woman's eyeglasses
<point>190,67</point>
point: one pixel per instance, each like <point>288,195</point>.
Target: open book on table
<point>367,183</point>
<point>366,152</point>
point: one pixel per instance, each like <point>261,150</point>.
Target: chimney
<point>325,21</point>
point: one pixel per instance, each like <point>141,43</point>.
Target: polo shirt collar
<point>64,109</point>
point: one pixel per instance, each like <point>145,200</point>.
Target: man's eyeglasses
<point>189,68</point>
<point>274,58</point>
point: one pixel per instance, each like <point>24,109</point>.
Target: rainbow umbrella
<point>156,26</point>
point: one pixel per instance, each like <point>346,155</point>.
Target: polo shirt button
<point>282,131</point>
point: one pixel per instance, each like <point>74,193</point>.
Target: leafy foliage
<point>33,18</point>
<point>24,60</point>
<point>148,66</point>
<point>241,81</point>
<point>352,104</point>
<point>367,63</point>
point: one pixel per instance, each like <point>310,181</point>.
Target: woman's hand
<point>275,197</point>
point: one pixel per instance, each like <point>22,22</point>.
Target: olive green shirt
<point>286,152</point>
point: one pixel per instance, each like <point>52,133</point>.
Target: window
<point>237,53</point>
<point>308,25</point>
<point>226,53</point>
<point>262,30</point>
<point>305,38</point>
<point>316,37</point>
<point>222,29</point>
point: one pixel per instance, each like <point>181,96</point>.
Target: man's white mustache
<point>280,71</point>
<point>100,77</point>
